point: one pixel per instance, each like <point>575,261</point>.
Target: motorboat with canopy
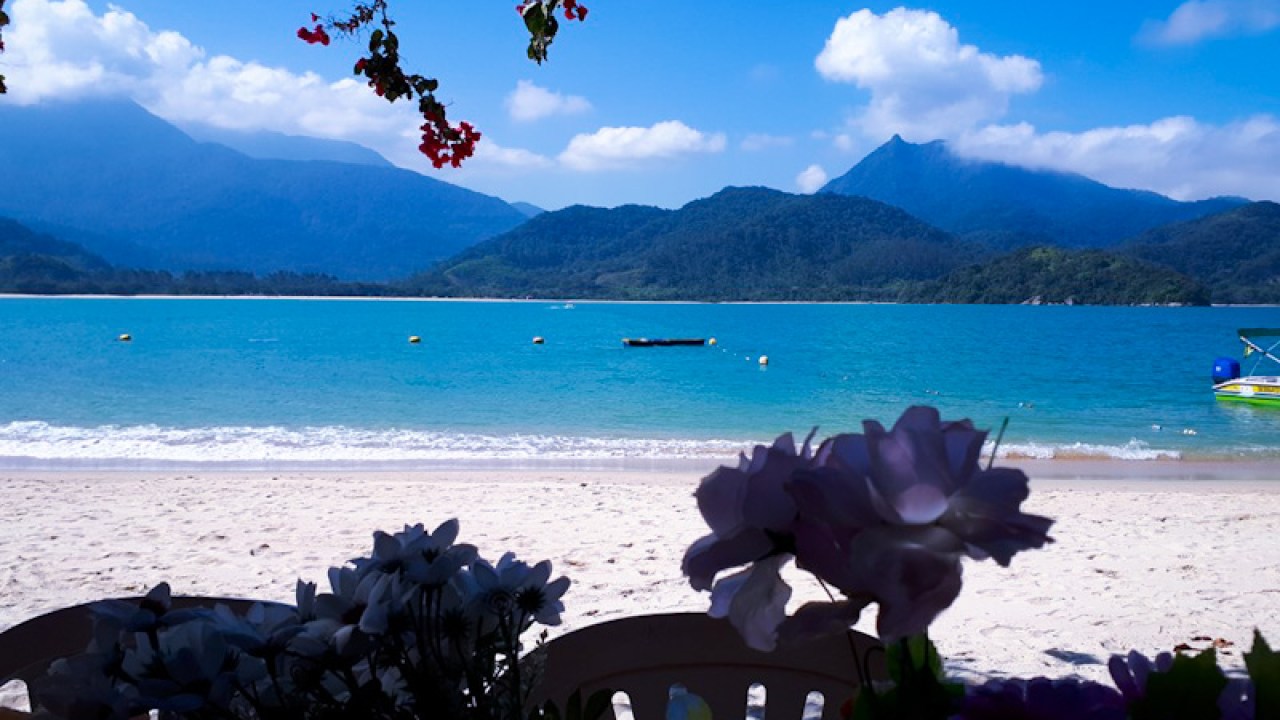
<point>1262,344</point>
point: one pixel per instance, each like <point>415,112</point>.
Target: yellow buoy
<point>125,337</point>
<point>764,360</point>
<point>538,340</point>
<point>414,339</point>
<point>712,341</point>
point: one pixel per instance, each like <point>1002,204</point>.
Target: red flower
<point>318,35</point>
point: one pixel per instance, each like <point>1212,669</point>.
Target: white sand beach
<point>1148,555</point>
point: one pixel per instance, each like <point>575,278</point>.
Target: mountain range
<point>138,191</point>
<point>118,197</point>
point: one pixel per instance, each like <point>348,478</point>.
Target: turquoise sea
<point>286,383</point>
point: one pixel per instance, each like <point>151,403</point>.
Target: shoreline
<point>412,298</point>
<point>1263,471</point>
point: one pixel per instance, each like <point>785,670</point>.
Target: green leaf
<point>1264,669</point>
<point>375,40</point>
<point>535,19</point>
<point>921,689</point>
<point>1190,689</point>
<point>431,85</point>
<point>922,659</point>
<point>924,655</point>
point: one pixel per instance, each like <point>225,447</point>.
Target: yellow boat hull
<point>1260,390</point>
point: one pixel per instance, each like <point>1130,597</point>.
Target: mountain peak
<point>1016,205</point>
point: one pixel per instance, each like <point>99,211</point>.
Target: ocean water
<point>287,383</point>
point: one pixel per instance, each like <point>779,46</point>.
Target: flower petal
<point>964,446</point>
<point>916,586</point>
<point>817,619</point>
<point>912,455</point>
<point>446,533</point>
<point>720,498</point>
<point>767,503</point>
<point>755,601</point>
<point>986,515</point>
<point>710,554</point>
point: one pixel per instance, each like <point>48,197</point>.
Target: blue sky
<point>664,103</point>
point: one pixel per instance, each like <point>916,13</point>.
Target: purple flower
<point>751,514</point>
<point>885,516</point>
<point>1041,699</point>
<point>889,514</point>
<point>1130,672</point>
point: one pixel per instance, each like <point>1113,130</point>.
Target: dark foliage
<point>1054,275</point>
<point>1236,253</point>
<point>37,264</point>
<point>739,244</point>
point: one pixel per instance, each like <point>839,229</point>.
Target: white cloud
<point>923,82</point>
<point>612,147</point>
<point>811,179</point>
<point>491,153</point>
<point>530,102</point>
<point>756,142</point>
<point>1198,20</point>
<point>1176,156</point>
<point>59,48</point>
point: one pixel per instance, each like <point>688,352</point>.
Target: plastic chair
<point>646,656</point>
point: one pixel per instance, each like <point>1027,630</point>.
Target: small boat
<point>662,342</point>
<point>1229,384</point>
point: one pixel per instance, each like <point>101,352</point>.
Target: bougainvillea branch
<point>442,142</point>
<point>4,20</point>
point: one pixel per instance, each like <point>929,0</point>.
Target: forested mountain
<point>17,240</point>
<point>36,263</point>
<point>1055,275</point>
<point>151,194</point>
<point>739,244</point>
<point>1236,254</point>
<point>1007,206</point>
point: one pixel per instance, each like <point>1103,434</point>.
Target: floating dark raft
<point>662,342</point>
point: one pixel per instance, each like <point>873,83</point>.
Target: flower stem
<point>999,436</point>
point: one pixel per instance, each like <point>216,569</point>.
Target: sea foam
<point>37,444</point>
